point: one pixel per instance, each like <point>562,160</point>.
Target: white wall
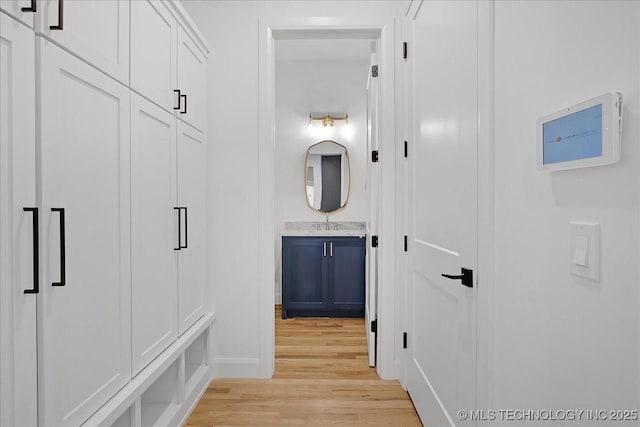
<point>303,87</point>
<point>563,342</point>
<point>232,29</point>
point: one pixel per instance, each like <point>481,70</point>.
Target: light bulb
<point>347,131</point>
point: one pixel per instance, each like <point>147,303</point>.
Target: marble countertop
<point>324,229</point>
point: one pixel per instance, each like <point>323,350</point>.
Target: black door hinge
<point>404,50</point>
<point>374,71</point>
<point>404,340</point>
<point>374,326</point>
<point>374,156</point>
<point>406,149</point>
<point>374,241</point>
<point>406,243</point>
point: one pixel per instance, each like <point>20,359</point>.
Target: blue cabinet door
<point>323,276</point>
<point>304,286</point>
<point>346,280</point>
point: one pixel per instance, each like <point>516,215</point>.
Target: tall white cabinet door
<point>153,52</point>
<point>95,30</point>
<point>18,247</point>
<point>192,74</point>
<point>85,322</point>
<point>154,279</point>
<point>191,195</point>
<point>22,10</point>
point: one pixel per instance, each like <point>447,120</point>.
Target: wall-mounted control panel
<point>585,134</point>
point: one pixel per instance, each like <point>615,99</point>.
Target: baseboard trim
<point>237,367</point>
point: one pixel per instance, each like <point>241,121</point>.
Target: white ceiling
<point>322,50</point>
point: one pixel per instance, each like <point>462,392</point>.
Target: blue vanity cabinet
<point>323,276</point>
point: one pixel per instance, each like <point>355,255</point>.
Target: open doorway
<point>383,30</point>
<point>324,76</point>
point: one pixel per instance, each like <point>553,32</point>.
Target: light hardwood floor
<point>322,378</point>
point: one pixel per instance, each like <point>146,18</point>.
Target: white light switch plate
<point>584,250</point>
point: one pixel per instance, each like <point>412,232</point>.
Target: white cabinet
<point>167,65</point>
<point>192,72</point>
<point>85,318</point>
<point>18,243</point>
<point>191,195</point>
<point>114,273</point>
<point>96,31</point>
<point>22,10</point>
<point>154,239</point>
<point>153,52</point>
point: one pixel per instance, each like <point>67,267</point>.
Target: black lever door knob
<point>466,277</point>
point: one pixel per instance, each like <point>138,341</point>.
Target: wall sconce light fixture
<point>328,120</point>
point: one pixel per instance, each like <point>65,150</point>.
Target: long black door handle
<point>186,230</point>
<point>60,17</point>
<point>179,228</point>
<point>31,8</point>
<point>184,109</point>
<point>179,99</point>
<point>466,277</point>
<point>63,261</point>
<point>36,251</point>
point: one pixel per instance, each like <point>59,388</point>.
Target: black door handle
<point>179,228</point>
<point>179,99</point>
<point>186,230</point>
<point>466,277</point>
<point>184,111</point>
<point>36,251</point>
<point>60,16</point>
<point>63,280</point>
<point>31,8</point>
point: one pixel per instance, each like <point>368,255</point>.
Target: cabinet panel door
<point>154,280</point>
<point>95,30</point>
<point>14,8</point>
<point>85,344</point>
<point>18,363</point>
<point>303,274</point>
<point>191,195</point>
<point>192,71</point>
<point>346,274</point>
<point>153,52</point>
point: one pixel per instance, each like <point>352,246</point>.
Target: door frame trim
<point>298,27</point>
<point>486,205</point>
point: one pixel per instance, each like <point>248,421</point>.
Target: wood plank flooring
<point>322,378</point>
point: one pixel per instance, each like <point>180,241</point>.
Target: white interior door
<point>191,197</point>
<point>18,355</point>
<point>443,212</point>
<point>95,30</point>
<point>373,181</point>
<point>85,327</point>
<point>154,277</point>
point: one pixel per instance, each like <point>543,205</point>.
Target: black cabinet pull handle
<point>31,8</point>
<point>63,280</point>
<point>186,231</point>
<point>179,99</point>
<point>466,277</point>
<point>60,16</point>
<point>184,111</point>
<point>36,251</point>
<point>179,228</point>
